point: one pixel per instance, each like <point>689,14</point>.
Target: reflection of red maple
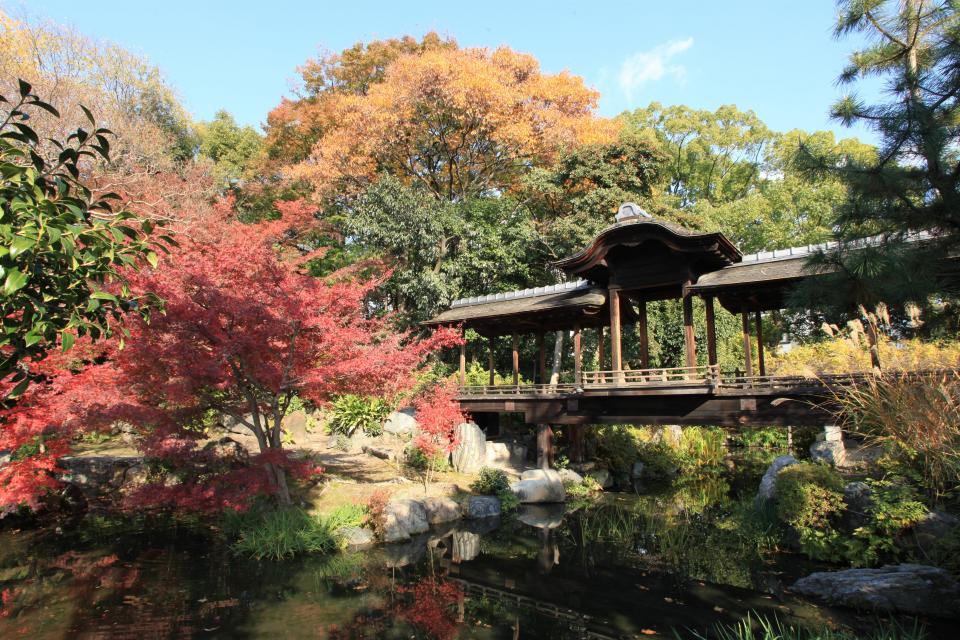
<point>431,607</point>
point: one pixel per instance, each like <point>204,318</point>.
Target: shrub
<point>762,437</point>
<point>892,510</point>
<point>351,412</point>
<point>810,500</point>
<point>376,511</point>
<point>587,488</point>
<point>702,447</point>
<point>509,501</point>
<point>490,482</point>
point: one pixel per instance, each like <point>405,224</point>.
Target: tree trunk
<point>557,358</point>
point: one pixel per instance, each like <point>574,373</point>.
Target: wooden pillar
<point>576,443</point>
<point>689,338</point>
<point>759,322</point>
<point>577,356</point>
<point>463,361</point>
<point>544,446</point>
<point>711,331</point>
<point>516,359</point>
<point>644,337</point>
<point>601,349</point>
<point>490,361</point>
<point>616,363</point>
<point>541,358</point>
<point>747,355</point>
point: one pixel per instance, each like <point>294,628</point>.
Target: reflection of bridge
<point>631,264</point>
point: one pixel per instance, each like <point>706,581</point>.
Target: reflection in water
<point>629,566</point>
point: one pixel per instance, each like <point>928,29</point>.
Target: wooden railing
<point>669,375</point>
<point>685,377</point>
<point>497,390</point>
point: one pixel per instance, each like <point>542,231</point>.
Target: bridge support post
<point>577,357</point>
<point>689,337</point>
<point>463,361</point>
<point>601,349</point>
<point>490,360</point>
<point>711,331</point>
<point>747,356</point>
<point>544,446</point>
<point>516,359</point>
<point>541,358</point>
<point>616,363</point>
<point>644,335</point>
<point>576,443</point>
<point>760,364</point>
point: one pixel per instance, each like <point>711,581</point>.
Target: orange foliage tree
<point>458,122</point>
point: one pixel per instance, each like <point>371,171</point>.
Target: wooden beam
<point>747,356</point>
<point>516,359</point>
<point>577,355</point>
<point>463,361</point>
<point>644,335</point>
<point>689,337</point>
<point>601,349</point>
<point>490,361</point>
<point>616,362</point>
<point>576,443</point>
<point>760,362</point>
<point>711,331</point>
<point>541,358</point>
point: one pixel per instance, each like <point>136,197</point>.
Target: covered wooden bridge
<point>637,260</point>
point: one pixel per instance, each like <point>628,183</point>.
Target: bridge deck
<point>695,395</point>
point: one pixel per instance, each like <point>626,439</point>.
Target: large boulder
<point>934,527</point>
<point>907,588</point>
<point>403,518</point>
<point>768,484</point>
<point>481,507</point>
<point>505,454</point>
<point>569,476</point>
<point>441,509</point>
<point>828,447</point>
<point>857,498</point>
<point>295,425</point>
<point>603,478</point>
<point>356,538</point>
<point>636,471</point>
<point>540,485</point>
<point>471,452</point>
<point>228,450</point>
<point>401,423</point>
<point>95,475</point>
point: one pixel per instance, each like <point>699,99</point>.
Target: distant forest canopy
<point>461,170</point>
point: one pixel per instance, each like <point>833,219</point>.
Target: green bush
<point>351,412</point>
<point>761,437</point>
<point>285,533</point>
<point>702,447</point>
<point>490,482</point>
<point>893,508</point>
<point>810,500</point>
<point>583,490</point>
<point>509,501</point>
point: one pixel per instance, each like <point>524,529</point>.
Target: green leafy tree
<point>63,251</point>
<point>230,147</point>
<point>913,182</point>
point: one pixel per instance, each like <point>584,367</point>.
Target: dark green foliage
<point>490,482</point>
<point>810,500</point>
<point>62,251</point>
<point>351,412</point>
<point>913,183</point>
<point>230,147</point>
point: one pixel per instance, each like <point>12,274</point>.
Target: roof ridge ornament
<point>631,210</point>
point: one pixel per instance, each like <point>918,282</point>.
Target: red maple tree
<point>242,333</point>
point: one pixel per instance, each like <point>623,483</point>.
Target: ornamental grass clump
<point>916,419</point>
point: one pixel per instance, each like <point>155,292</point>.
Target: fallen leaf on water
<point>648,632</point>
<point>719,609</point>
<point>667,599</point>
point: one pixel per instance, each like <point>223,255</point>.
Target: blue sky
<point>777,57</point>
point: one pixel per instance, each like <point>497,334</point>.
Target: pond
<point>627,566</point>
